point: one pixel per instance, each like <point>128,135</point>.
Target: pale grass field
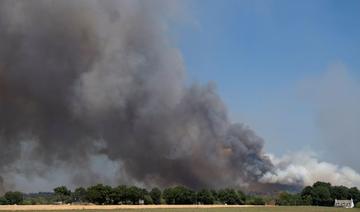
<point>169,208</point>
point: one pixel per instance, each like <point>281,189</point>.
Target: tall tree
<point>205,197</point>
<point>99,194</point>
<point>229,196</point>
<point>322,196</point>
<point>134,194</point>
<point>355,194</point>
<point>340,192</point>
<point>119,195</point>
<point>155,194</point>
<point>79,195</point>
<point>63,194</point>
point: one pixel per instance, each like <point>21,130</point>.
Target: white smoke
<point>304,168</point>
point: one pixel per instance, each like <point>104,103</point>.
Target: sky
<point>279,66</point>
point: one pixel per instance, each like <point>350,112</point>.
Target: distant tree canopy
<point>63,194</point>
<point>179,195</point>
<point>99,194</point>
<point>320,193</point>
<point>205,197</point>
<point>231,197</point>
<point>285,198</point>
<point>155,195</point>
<point>79,195</point>
<point>119,194</point>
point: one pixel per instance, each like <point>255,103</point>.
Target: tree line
<point>106,195</point>
<point>320,193</point>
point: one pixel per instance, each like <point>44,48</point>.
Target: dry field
<point>168,208</point>
<point>107,207</point>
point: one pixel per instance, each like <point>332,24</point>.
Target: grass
<point>254,209</point>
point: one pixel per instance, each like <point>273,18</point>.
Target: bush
<point>14,197</point>
<point>255,200</point>
<point>357,205</point>
<point>285,198</point>
<point>3,201</point>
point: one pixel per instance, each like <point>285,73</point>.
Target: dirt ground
<point>105,207</point>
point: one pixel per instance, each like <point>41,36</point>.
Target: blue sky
<point>259,53</point>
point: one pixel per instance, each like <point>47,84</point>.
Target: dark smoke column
<point>82,80</point>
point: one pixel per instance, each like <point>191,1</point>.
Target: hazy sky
<point>288,69</point>
<point>279,66</point>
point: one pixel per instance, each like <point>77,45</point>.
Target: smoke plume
<point>335,97</point>
<point>303,168</point>
<point>94,91</point>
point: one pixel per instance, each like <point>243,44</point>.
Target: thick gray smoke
<point>91,84</point>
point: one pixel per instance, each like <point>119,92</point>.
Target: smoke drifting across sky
<point>93,91</point>
<point>335,96</point>
<point>88,81</point>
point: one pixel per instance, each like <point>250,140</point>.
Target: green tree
<point>322,184</point>
<point>119,195</point>
<point>99,194</point>
<point>229,196</point>
<point>148,200</point>
<point>307,191</point>
<point>62,194</point>
<point>242,197</point>
<point>340,192</point>
<point>357,205</point>
<point>214,193</point>
<point>184,195</point>
<point>321,195</point>
<point>134,194</point>
<point>307,195</point>
<point>14,197</point>
<point>79,195</point>
<point>255,200</point>
<point>169,196</point>
<point>63,190</point>
<point>179,195</point>
<point>205,197</point>
<point>3,201</point>
<point>307,200</point>
<point>355,194</point>
<point>285,198</point>
<point>155,194</point>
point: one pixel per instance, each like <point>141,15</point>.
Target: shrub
<point>14,197</point>
<point>357,205</point>
<point>3,201</point>
<point>255,200</point>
